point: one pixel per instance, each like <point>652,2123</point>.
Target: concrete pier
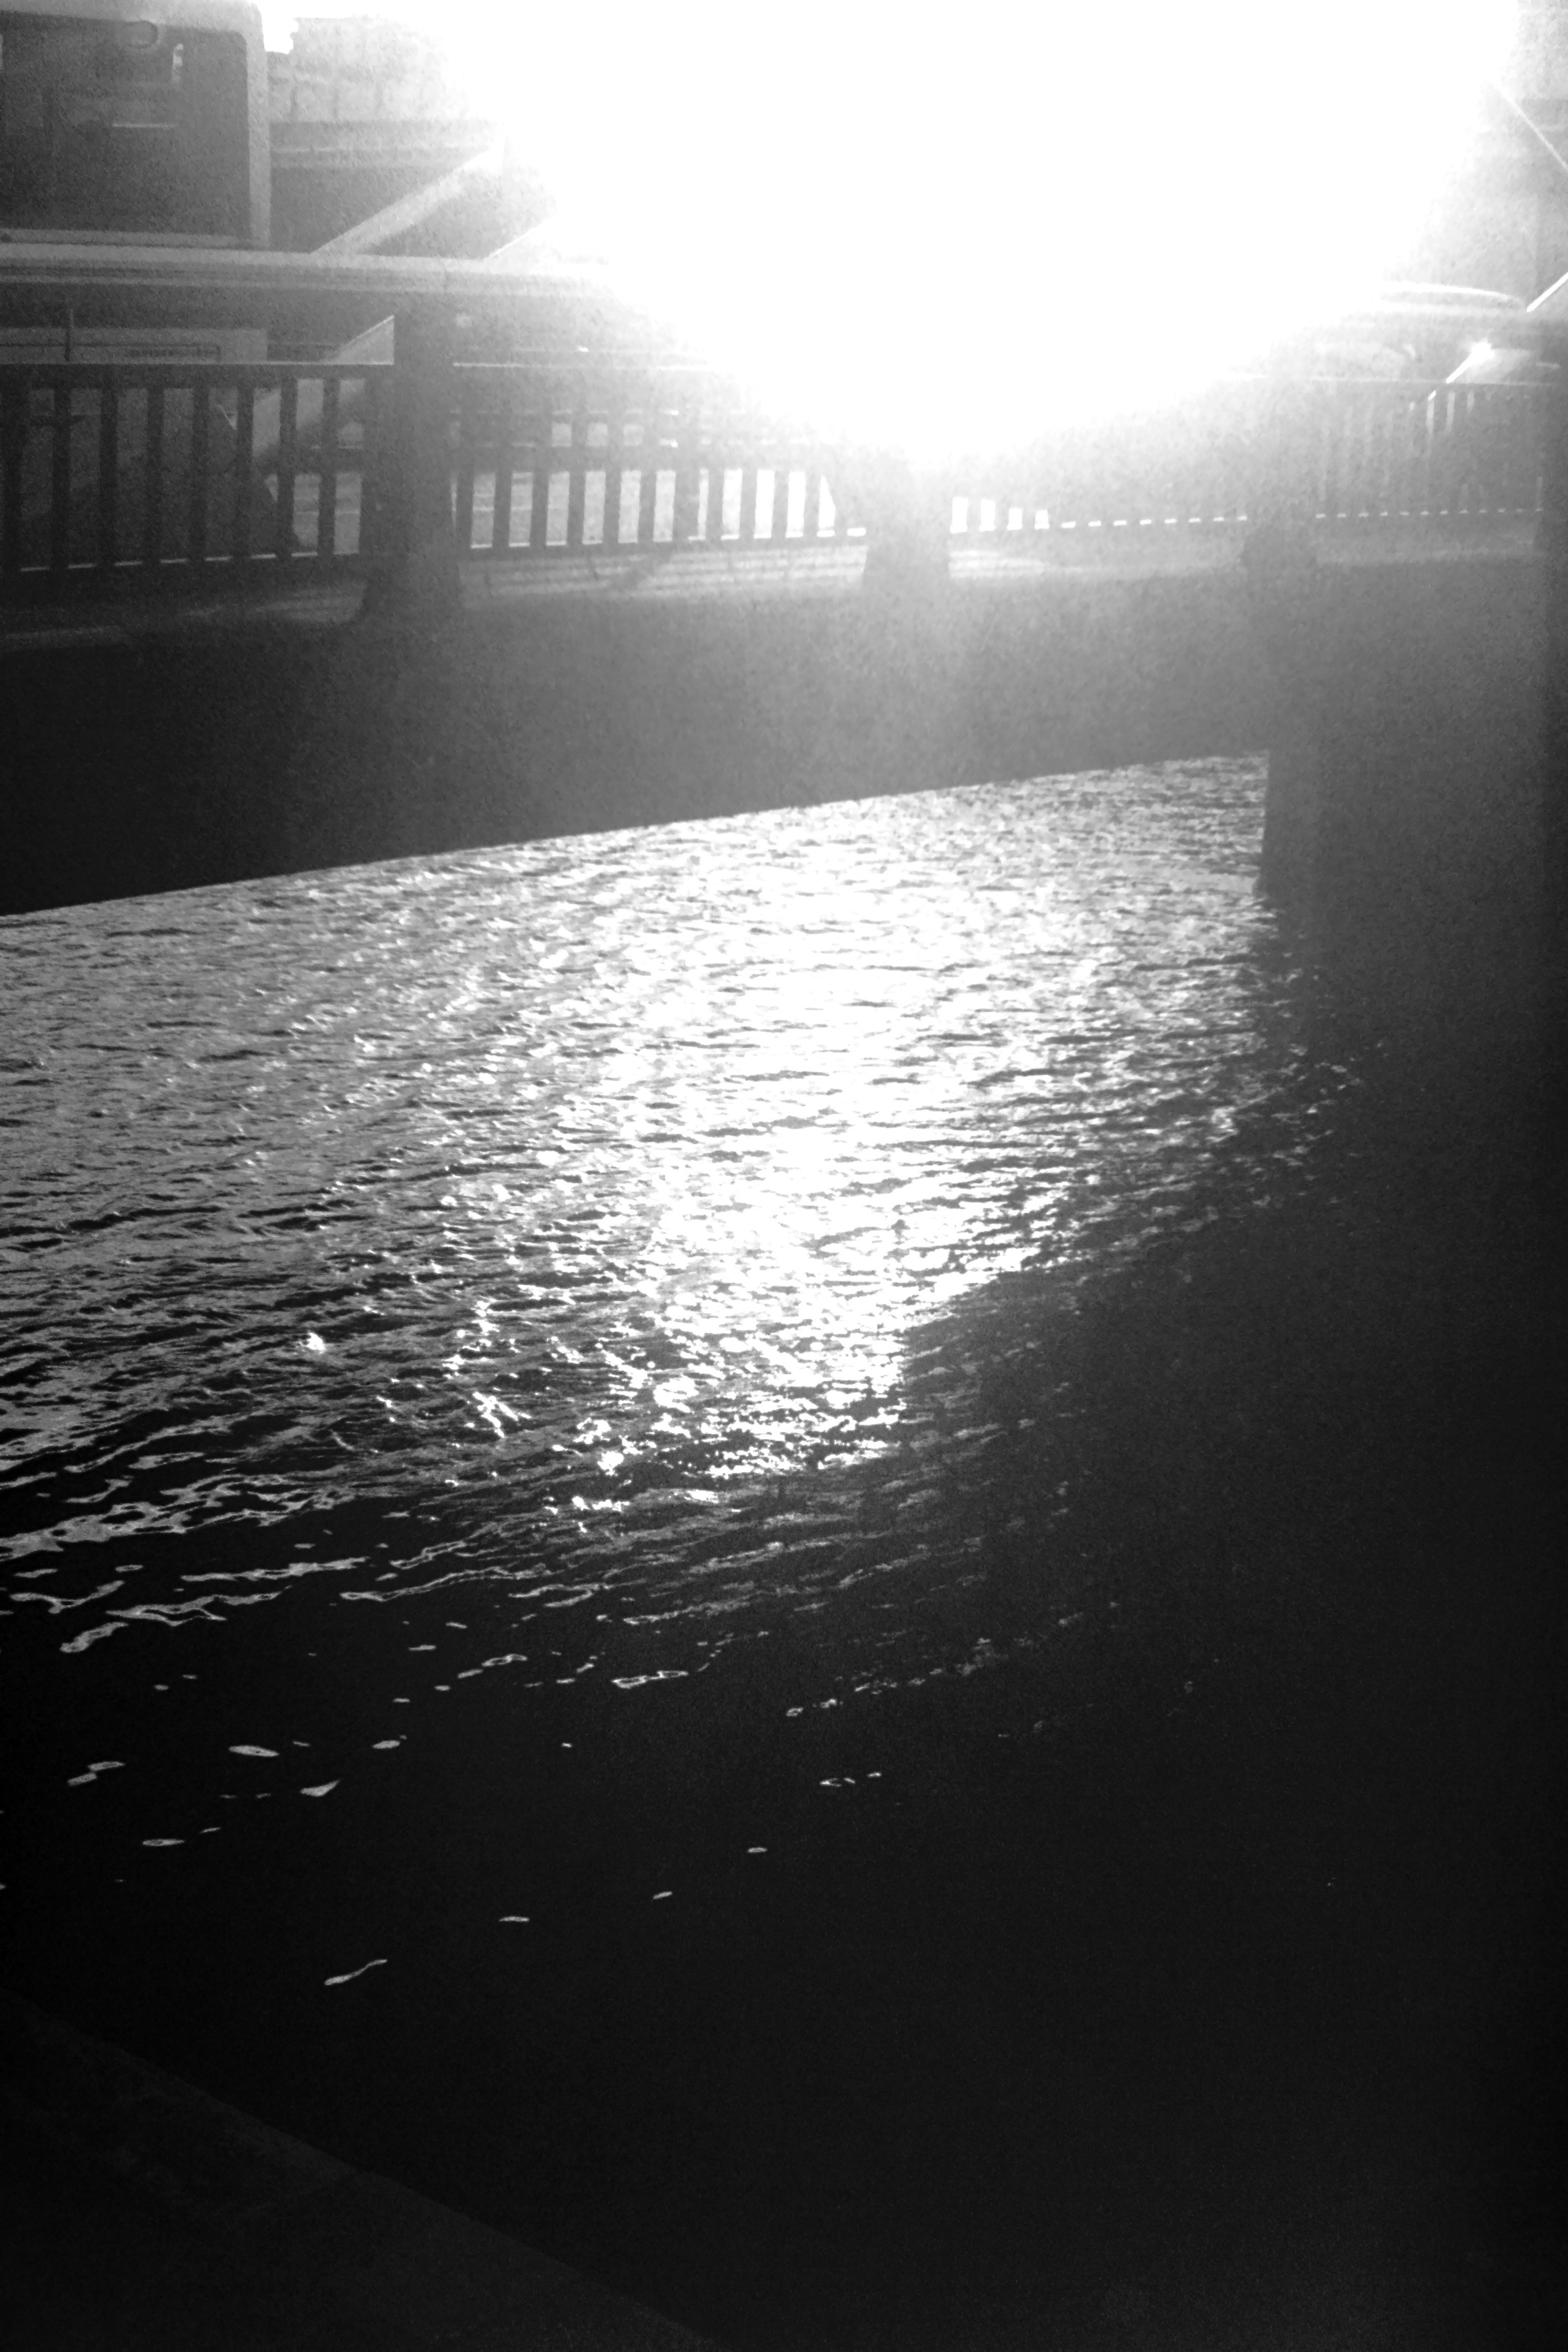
<point>1406,814</point>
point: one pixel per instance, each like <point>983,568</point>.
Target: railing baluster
<point>107,470</point>
<point>648,474</point>
<point>1422,490</point>
<point>543,470</point>
<point>1379,503</point>
<point>1414,458</point>
<point>752,531</point>
<point>60,482</point>
<point>1494,450</point>
<point>576,465</point>
<point>373,451</point>
<point>201,472</point>
<point>1464,454</point>
<point>687,460</point>
<point>1458,453</point>
<point>153,498</point>
<point>15,398</point>
<point>1400,428</point>
<point>780,531</point>
<point>327,510</point>
<point>288,435</point>
<point>501,521</point>
<point>244,448</point>
<point>718,478</point>
<point>615,434</point>
<point>467,425</point>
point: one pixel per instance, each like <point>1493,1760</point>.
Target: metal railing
<point>171,474</point>
<point>1332,454</point>
<point>553,461</point>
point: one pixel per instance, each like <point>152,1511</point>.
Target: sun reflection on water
<point>552,1210</point>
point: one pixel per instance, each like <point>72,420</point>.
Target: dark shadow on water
<point>1194,1981</point>
<point>1257,1884</point>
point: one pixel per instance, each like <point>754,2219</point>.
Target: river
<point>629,1580</point>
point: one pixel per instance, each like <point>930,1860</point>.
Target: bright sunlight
<point>945,228</point>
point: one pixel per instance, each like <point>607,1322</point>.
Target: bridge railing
<point>557,461</point>
<point>185,472</point>
<point>200,474</point>
<point>1332,454</point>
<point>182,474</point>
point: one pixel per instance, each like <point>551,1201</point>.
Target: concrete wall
<point>206,755</point>
<point>1409,832</point>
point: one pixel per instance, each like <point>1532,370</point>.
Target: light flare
<point>945,231</point>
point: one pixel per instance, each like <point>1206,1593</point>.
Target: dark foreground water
<point>800,1554</point>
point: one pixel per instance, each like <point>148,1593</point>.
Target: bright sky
<point>946,224</point>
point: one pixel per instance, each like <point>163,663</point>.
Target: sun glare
<point>944,229</point>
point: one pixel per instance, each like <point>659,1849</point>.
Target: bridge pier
<point>1554,545</point>
<point>414,566</point>
<point>1281,569</point>
<point>909,534</point>
<point>1409,801</point>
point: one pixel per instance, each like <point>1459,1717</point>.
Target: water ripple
<point>566,1203</point>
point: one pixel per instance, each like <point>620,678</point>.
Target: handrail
<point>240,270</point>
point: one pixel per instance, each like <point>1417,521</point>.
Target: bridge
<point>594,583</point>
<point>144,475</point>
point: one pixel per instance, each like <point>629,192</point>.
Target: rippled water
<point>713,1539</point>
<point>559,1196</point>
<point>486,1349</point>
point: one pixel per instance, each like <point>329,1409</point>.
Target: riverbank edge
<point>138,2211</point>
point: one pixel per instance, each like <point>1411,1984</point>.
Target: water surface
<point>698,1545</point>
<point>566,1198</point>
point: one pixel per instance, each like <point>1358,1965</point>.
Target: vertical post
<point>577,464</point>
<point>15,398</point>
<point>107,470</point>
<point>688,459</point>
<point>60,482</point>
<point>287,429</point>
<point>153,499</point>
<point>1552,545</point>
<point>243,460</point>
<point>543,467</point>
<point>415,570</point>
<point>908,523</point>
<point>1291,477</point>
<point>467,436</point>
<point>201,469</point>
<point>505,413</point>
<point>327,476</point>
